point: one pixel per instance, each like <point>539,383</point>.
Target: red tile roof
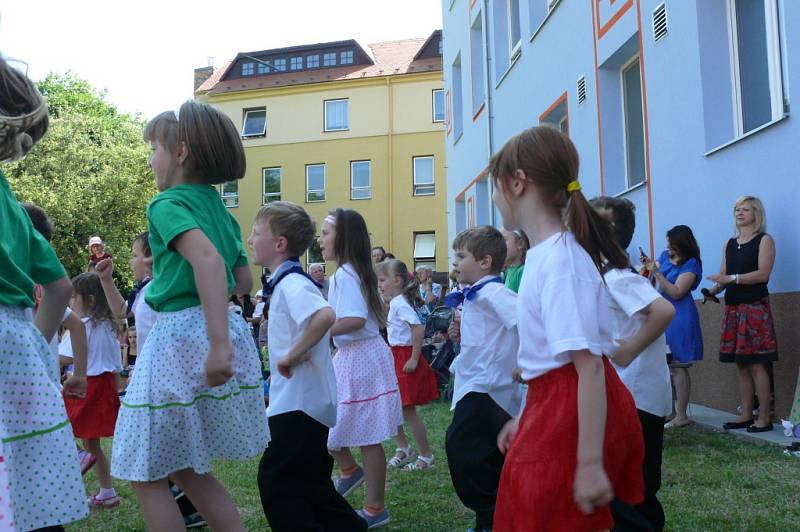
<point>391,58</point>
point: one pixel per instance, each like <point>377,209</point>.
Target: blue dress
<point>684,337</point>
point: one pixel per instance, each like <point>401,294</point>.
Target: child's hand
<point>454,331</point>
<point>410,366</point>
<point>516,376</point>
<point>286,364</point>
<point>75,387</point>
<point>285,368</point>
<point>219,367</point>
<point>623,355</point>
<point>104,269</point>
<point>506,435</point>
<point>592,488</point>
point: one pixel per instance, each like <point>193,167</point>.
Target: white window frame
<point>354,188</point>
<point>279,65</point>
<point>514,48</point>
<point>625,67</point>
<point>316,190</point>
<point>273,196</point>
<point>329,55</point>
<point>250,70</point>
<point>418,186</point>
<point>229,199</point>
<point>429,260</point>
<point>433,106</point>
<point>296,63</point>
<point>349,55</point>
<point>325,117</point>
<point>263,131</point>
<point>774,63</point>
<point>316,61</point>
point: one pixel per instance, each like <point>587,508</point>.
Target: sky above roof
<point>144,53</point>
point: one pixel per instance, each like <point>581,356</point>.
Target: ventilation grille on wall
<point>660,22</point>
<point>581,89</point>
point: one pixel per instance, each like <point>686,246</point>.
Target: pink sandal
<point>108,502</point>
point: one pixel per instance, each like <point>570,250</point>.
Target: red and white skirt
<point>419,387</point>
<point>748,334</point>
<point>369,409</point>
<point>536,485</point>
<point>95,416</point>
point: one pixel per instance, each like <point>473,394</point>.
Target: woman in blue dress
<point>677,272</point>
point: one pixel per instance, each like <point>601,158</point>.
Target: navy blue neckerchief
<point>291,265</point>
<point>137,287</point>
<point>454,299</point>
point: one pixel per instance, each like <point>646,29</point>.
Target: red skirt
<point>748,334</point>
<point>95,415</point>
<point>417,388</point>
<point>536,485</point>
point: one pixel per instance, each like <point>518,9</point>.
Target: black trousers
<point>474,460</point>
<point>294,479</point>
<point>649,515</point>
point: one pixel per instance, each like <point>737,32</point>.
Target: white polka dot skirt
<point>39,453</point>
<point>369,409</point>
<point>170,420</point>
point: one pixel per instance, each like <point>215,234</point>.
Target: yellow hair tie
<point>573,186</point>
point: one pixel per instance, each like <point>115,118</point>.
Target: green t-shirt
<point>172,213</point>
<point>26,257</point>
<point>513,276</point>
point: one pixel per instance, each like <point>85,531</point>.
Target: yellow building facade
<point>366,137</point>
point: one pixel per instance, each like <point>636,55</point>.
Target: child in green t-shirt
<point>517,246</point>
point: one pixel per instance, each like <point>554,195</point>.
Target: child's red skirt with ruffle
<point>95,415</point>
<point>536,485</point>
<point>418,387</point>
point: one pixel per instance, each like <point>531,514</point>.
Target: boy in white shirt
<point>639,318</point>
<point>294,476</point>
<point>485,396</point>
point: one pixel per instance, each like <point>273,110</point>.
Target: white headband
<point>331,219</point>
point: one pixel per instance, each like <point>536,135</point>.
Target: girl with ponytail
<point>578,442</point>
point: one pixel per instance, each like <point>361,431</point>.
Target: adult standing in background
<point>378,254</point>
<point>678,271</point>
<point>748,330</point>
<point>429,291</point>
<point>317,272</point>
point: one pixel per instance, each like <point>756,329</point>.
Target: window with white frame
<point>634,123</point>
<point>315,183</point>
<point>423,176</point>
<point>271,184</point>
<point>329,59</point>
<point>247,69</point>
<point>279,64</point>
<point>756,61</point>
<point>312,61</point>
<point>254,123</point>
<point>230,193</point>
<point>360,180</point>
<point>346,57</point>
<point>296,63</point>
<point>514,41</point>
<point>438,105</point>
<point>336,112</point>
<point>314,255</point>
<point>425,250</point>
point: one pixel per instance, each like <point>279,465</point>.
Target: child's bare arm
<point>658,315</point>
<point>318,325</point>
<point>118,305</point>
<point>347,325</point>
<point>244,280</point>
<point>210,279</point>
<point>75,386</point>
<point>55,297</point>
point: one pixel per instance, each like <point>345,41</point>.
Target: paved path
<point>713,419</point>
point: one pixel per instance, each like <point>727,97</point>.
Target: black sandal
<point>756,428</point>
<point>733,425</point>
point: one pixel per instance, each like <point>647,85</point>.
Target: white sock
<point>106,493</point>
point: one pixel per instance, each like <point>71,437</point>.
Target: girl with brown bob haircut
<point>578,442</point>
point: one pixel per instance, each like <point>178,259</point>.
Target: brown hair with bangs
<point>290,221</point>
<point>550,162</point>
<point>483,241</point>
<point>214,149</point>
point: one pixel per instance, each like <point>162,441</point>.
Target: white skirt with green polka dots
<point>37,442</point>
<point>170,420</point>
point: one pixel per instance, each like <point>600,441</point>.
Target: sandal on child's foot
<point>422,462</point>
<point>108,502</point>
<point>401,457</point>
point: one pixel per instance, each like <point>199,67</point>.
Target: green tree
<point>89,173</point>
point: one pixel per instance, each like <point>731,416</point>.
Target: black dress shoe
<point>756,428</point>
<point>732,425</point>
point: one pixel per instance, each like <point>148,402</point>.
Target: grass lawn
<point>711,481</point>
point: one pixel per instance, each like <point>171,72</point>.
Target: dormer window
<point>440,46</point>
<point>247,69</point>
<point>280,65</point>
<point>329,59</point>
<point>346,57</point>
<point>312,61</point>
<point>263,68</point>
<point>296,63</point>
